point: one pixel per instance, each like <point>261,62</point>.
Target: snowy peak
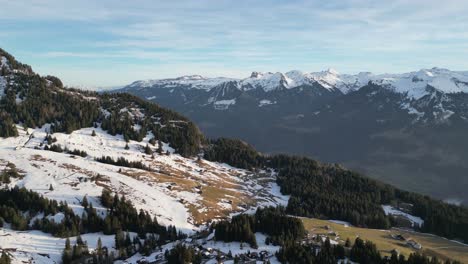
<point>191,78</point>
<point>266,81</point>
<point>413,84</point>
<point>333,71</point>
<point>256,74</point>
<point>190,81</point>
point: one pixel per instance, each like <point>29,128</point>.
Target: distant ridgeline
<point>35,101</point>
<point>316,189</point>
<point>330,191</point>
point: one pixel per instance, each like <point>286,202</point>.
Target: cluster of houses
<point>248,257</point>
<point>315,241</point>
<point>408,241</point>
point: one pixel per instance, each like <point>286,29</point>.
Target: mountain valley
<point>405,129</point>
<point>92,177</point>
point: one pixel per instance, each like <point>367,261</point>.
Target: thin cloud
<point>235,36</point>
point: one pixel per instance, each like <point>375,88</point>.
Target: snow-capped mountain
<point>393,123</point>
<point>124,180</point>
<point>413,83</point>
<point>189,81</point>
<point>69,145</point>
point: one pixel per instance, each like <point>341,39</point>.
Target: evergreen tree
<point>84,202</point>
<point>67,254</point>
<point>160,148</point>
<point>148,150</point>
<point>5,258</point>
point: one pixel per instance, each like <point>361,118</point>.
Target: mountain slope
<point>68,145</point>
<point>141,178</point>
<point>406,129</point>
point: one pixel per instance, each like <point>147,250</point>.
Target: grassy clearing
<point>432,245</point>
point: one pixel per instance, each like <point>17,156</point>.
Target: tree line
<point>35,101</point>
<point>271,221</point>
<point>121,215</point>
<point>363,252</point>
<point>330,191</point>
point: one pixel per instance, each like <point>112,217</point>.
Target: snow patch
<point>390,210</point>
<point>266,102</point>
<point>224,104</point>
<point>44,248</point>
<point>344,223</point>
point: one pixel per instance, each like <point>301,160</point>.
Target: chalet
<point>253,255</point>
<point>264,255</point>
<point>400,237</point>
<point>206,254</point>
<point>414,244</point>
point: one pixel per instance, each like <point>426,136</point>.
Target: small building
<point>414,244</point>
<point>206,254</point>
<point>254,255</point>
<point>400,237</point>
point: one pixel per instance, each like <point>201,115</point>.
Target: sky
<point>90,43</point>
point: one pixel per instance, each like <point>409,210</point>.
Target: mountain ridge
<point>76,148</point>
<point>411,82</point>
<point>394,123</point>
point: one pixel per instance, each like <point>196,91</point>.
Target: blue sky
<point>110,42</point>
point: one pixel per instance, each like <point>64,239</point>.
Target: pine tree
<point>5,258</point>
<point>148,150</point>
<point>51,188</point>
<point>99,247</point>
<point>84,202</point>
<point>67,252</point>
<point>127,147</point>
<point>93,133</point>
<point>160,148</point>
<point>106,198</point>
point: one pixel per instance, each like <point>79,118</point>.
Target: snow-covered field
<point>42,247</point>
<point>390,210</point>
<point>184,192</point>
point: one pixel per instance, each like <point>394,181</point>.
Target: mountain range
<point>93,177</point>
<point>407,129</point>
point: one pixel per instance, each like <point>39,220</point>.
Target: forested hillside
<point>34,101</point>
<point>127,146</point>
<point>331,191</point>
